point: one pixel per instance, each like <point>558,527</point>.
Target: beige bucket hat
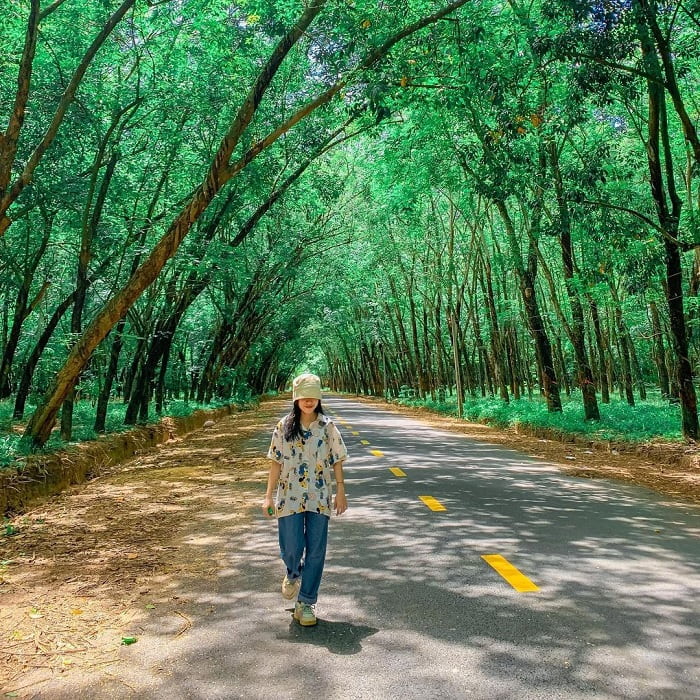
<point>306,386</point>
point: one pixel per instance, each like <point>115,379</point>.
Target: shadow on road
<point>337,637</point>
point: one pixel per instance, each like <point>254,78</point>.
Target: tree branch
<point>53,6</point>
<point>8,141</point>
<point>66,99</point>
<point>367,62</point>
<point>642,217</point>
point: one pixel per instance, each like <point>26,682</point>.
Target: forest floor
<point>88,567</point>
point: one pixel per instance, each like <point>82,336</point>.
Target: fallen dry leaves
<point>86,566</point>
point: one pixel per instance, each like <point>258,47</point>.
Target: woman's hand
<point>341,502</point>
<point>268,507</point>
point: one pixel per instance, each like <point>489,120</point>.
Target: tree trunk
<point>207,379</point>
<point>603,352</point>
<point>543,348</point>
<point>89,229</point>
<point>21,302</point>
<point>584,374</point>
<point>686,388</point>
<point>514,364</point>
<point>33,359</point>
<point>497,345</point>
<point>637,372</point>
<point>162,372</point>
<point>419,361</point>
<point>659,350</point>
<point>694,291</point>
<point>623,339</point>
<point>110,374</point>
<point>658,150</point>
<point>23,309</point>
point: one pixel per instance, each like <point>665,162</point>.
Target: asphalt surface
<point>409,608</point>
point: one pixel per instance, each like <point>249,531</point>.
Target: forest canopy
<point>410,197</point>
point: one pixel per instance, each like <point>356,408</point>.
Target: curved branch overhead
<point>441,201</point>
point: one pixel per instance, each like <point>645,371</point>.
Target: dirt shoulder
<point>670,469</point>
<point>90,566</point>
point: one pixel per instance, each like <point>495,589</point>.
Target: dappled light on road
<point>408,607</point>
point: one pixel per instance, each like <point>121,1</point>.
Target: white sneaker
<point>290,587</point>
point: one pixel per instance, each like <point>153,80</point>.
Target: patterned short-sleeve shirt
<point>307,462</point>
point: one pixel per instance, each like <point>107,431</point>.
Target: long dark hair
<point>292,423</point>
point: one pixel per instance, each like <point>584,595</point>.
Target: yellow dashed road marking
<point>377,453</point>
<point>364,442</point>
<point>432,503</point>
<point>515,578</point>
<point>397,472</point>
<point>354,432</point>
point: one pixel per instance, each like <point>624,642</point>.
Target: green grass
<point>11,447</point>
<point>654,419</point>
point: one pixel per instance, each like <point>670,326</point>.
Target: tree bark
<point>10,139</point>
<point>584,374</point>
<point>659,350</point>
<point>10,193</point>
<point>91,220</point>
<point>658,150</point>
<point>497,345</point>
<point>603,352</point>
<point>33,359</point>
<point>23,308</point>
<point>543,348</point>
<point>110,375</point>
<point>623,340</point>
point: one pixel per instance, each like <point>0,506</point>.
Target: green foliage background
<point>381,241</point>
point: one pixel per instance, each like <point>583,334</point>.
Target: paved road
<point>409,607</point>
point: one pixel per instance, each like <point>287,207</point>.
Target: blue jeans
<point>303,538</point>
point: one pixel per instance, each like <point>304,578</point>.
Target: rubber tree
<point>219,173</point>
<point>10,189</point>
<point>576,329</point>
<point>25,305</point>
<point>658,64</point>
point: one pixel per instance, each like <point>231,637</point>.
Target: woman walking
<point>306,447</point>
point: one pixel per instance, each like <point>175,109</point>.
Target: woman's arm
<point>273,478</point>
<point>341,501</point>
